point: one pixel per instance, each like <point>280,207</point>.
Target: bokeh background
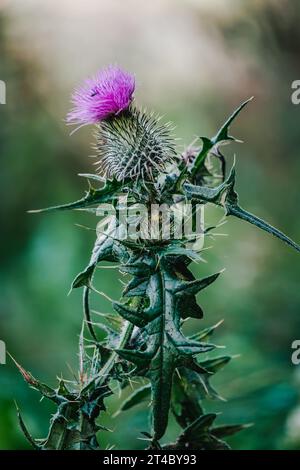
<point>194,61</point>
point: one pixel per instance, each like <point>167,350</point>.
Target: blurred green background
<point>194,61</point>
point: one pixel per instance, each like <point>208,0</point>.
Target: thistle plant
<point>138,162</point>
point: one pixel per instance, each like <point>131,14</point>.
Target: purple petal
<point>108,93</point>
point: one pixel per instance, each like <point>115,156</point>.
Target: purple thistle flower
<point>108,93</point>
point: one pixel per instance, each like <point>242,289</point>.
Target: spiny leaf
<point>186,346</point>
<point>187,393</point>
<point>137,397</point>
<point>225,195</point>
<point>200,425</point>
<point>136,287</point>
<point>232,207</point>
<point>239,212</point>
<point>198,436</point>
<point>215,364</point>
<point>138,358</point>
<point>25,430</point>
<point>102,250</point>
<point>132,315</point>
<point>164,347</point>
<point>193,287</point>
<point>176,250</point>
<point>205,194</point>
<point>221,136</point>
<point>45,390</point>
<point>92,198</point>
<point>229,429</point>
<point>206,333</point>
<point>83,278</point>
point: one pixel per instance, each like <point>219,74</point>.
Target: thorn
<point>248,425</point>
<point>34,211</point>
<point>26,375</point>
<point>218,323</point>
<point>222,399</point>
<point>236,356</point>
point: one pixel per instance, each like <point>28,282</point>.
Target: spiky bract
<point>134,145</point>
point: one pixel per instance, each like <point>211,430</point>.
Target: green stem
<point>126,334</point>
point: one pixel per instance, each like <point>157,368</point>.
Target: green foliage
<point>93,197</point>
<point>79,403</point>
<point>163,347</point>
<point>156,301</point>
<point>222,137</point>
<point>225,195</point>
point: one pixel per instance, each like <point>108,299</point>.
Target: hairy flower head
<point>106,94</point>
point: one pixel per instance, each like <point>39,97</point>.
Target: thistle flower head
<point>106,94</point>
<point>134,145</point>
<point>189,154</point>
